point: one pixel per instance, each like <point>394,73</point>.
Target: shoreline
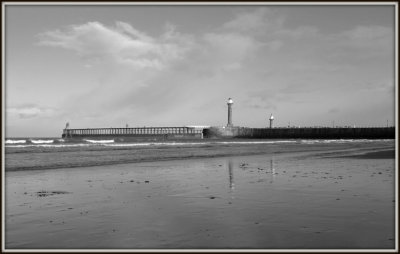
<point>106,155</point>
<point>385,154</point>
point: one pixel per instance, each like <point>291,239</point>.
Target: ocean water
<point>53,153</point>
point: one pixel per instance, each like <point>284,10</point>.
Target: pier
<point>302,133</point>
<point>178,132</point>
<point>232,131</point>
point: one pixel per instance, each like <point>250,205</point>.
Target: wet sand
<point>276,201</point>
<point>386,154</point>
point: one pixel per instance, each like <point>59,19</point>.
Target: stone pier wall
<point>303,133</point>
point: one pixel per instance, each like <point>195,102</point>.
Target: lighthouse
<point>230,103</point>
<point>271,120</point>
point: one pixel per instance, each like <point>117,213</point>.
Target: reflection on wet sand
<point>230,169</point>
<point>272,168</point>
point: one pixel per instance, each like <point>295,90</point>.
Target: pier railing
<point>131,131</point>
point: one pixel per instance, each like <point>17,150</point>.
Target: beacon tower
<point>271,120</point>
<point>230,103</point>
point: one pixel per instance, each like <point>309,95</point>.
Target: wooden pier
<point>178,132</point>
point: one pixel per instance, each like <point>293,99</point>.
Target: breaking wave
<point>259,142</point>
<point>42,141</point>
<point>10,141</point>
<point>47,145</point>
<point>100,141</point>
<point>339,141</point>
<point>61,143</point>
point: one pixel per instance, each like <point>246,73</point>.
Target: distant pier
<point>231,131</point>
<point>302,133</point>
<point>166,132</point>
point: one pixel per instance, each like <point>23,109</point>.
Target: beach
<point>290,197</point>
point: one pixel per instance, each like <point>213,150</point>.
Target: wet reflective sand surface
<point>289,200</point>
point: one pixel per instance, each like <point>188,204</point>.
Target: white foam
<point>19,146</point>
<point>10,141</point>
<point>47,145</point>
<point>153,144</point>
<point>197,143</point>
<point>110,143</point>
<point>258,142</point>
<point>99,141</point>
<point>340,141</point>
<point>63,145</point>
<point>41,141</point>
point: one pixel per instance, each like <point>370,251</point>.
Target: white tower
<point>230,103</point>
<point>66,131</point>
<point>271,119</point>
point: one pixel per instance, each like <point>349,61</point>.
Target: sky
<point>177,65</point>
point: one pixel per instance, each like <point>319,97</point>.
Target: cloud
<point>123,27</point>
<point>123,44</point>
<point>232,67</point>
<point>361,42</point>
<point>267,27</point>
<point>333,110</point>
<point>371,33</point>
<point>377,86</point>
<point>260,103</point>
<point>230,45</point>
<point>262,20</point>
<point>30,111</point>
<point>229,49</point>
<point>300,32</point>
<point>261,99</point>
<point>254,55</point>
<point>126,62</point>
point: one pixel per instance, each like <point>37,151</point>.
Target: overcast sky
<point>108,66</point>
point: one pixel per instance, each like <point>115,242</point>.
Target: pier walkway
<point>137,131</point>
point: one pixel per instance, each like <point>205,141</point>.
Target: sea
<point>53,153</point>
